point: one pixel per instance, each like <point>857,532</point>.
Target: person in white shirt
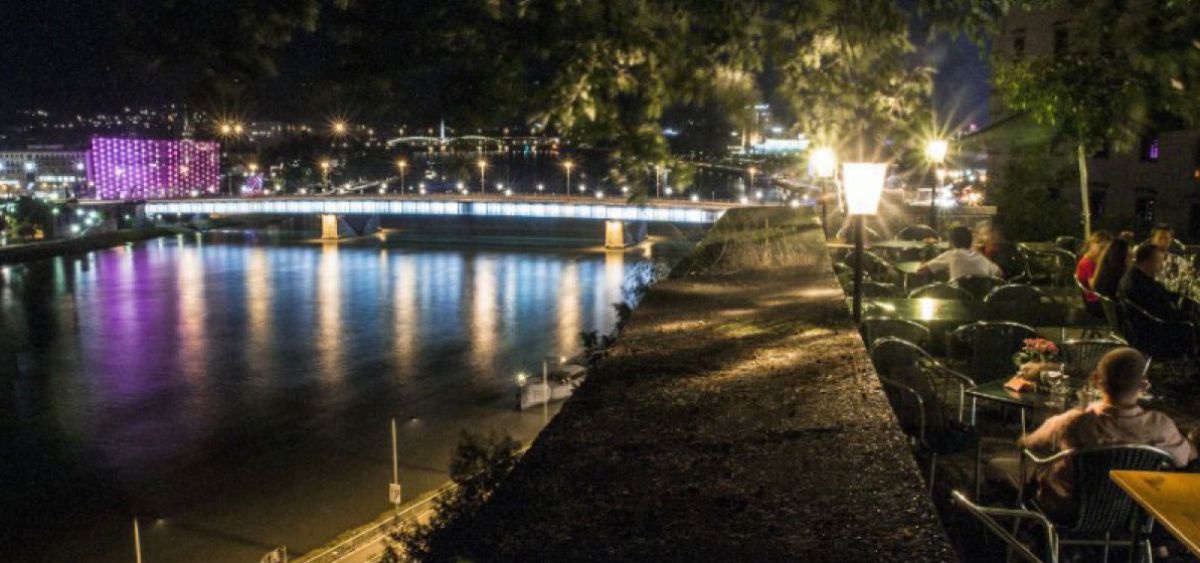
<point>961,260</point>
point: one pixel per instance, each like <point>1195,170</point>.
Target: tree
<point>1132,68</point>
<point>1027,196</point>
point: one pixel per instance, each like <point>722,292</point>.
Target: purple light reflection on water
<point>238,388</point>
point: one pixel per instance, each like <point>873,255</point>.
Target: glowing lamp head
<point>568,165</point>
<point>864,186</point>
<point>402,164</point>
<point>540,187</point>
<point>482,164</point>
<point>339,127</point>
<point>823,163</point>
<point>935,150</point>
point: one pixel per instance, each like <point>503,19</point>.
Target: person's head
<point>960,237</point>
<point>1097,243</point>
<point>1116,256</point>
<point>1121,376</point>
<point>1162,236</point>
<point>1149,258</point>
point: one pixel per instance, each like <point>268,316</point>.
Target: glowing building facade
<point>125,169</point>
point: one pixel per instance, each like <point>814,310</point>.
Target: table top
<point>885,245</point>
<point>908,267</point>
<point>1172,498</point>
<point>960,312</point>
<point>1034,400</point>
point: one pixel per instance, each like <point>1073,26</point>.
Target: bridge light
<point>624,189</point>
<point>582,188</point>
<point>695,197</point>
<point>508,193</point>
<point>669,191</point>
<point>743,200</point>
<point>599,194</point>
<point>541,187</point>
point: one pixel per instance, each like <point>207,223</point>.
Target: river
<point>233,391</point>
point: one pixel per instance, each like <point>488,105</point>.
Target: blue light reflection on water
<point>242,389</point>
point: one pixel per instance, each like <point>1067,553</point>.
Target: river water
<point>234,391</point>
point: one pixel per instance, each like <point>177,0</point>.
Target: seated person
<point>960,260</point>
<point>1085,269</point>
<point>994,244</point>
<point>1115,419</point>
<point>1139,287</point>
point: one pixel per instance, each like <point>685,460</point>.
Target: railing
<point>376,531</point>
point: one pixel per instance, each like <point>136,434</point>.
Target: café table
<point>956,312</point>
<point>1173,499</point>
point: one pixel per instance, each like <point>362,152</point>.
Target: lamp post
<point>864,185</point>
<point>567,166</point>
<point>823,163</point>
<point>935,153</point>
<point>325,173</point>
<point>402,164</point>
<point>482,176</point>
<point>657,172</point>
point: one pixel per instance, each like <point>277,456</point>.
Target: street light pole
<point>482,176</point>
<point>935,151</point>
<point>402,164</point>
<point>137,542</point>
<point>568,165</point>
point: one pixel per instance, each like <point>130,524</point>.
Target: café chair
<point>1082,356</point>
<point>978,286</point>
<point>1055,267</point>
<point>987,516</point>
<point>879,290</point>
<point>911,380</point>
<point>992,345</point>
<point>1014,293</point>
<point>1068,243</point>
<point>940,290</point>
<point>1154,336</point>
<point>878,327</point>
<point>918,233</point>
<point>1107,516</point>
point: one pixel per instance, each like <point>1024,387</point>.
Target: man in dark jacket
<point>1139,287</point>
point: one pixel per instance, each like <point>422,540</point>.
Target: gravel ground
<point>738,418</point>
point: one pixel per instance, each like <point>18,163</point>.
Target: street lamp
<point>339,128</point>
<point>752,170</point>
<point>482,175</point>
<point>935,153</point>
<point>823,163</point>
<point>325,164</point>
<point>864,186</point>
<point>567,166</point>
<point>402,164</point>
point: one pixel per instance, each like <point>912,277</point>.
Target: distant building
<point>1158,181</point>
<point>124,169</point>
<point>42,169</point>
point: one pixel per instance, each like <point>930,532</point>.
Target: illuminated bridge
<point>624,222</point>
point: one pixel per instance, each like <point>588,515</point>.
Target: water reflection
<point>204,381</point>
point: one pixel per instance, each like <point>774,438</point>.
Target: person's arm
<point>1046,439</point>
<point>1172,441</point>
<point>939,264</point>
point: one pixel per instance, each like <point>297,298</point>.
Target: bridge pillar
<point>618,235</point>
<point>329,227</point>
<point>334,227</point>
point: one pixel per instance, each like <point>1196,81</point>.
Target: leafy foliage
<point>480,463</point>
<point>1028,198</point>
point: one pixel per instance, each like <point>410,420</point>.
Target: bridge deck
<point>554,207</point>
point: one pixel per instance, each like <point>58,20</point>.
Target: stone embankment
<point>738,418</point>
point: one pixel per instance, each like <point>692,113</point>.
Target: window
<point>1018,42</point>
<point>1061,39</point>
<point>1143,211</point>
<point>1150,149</point>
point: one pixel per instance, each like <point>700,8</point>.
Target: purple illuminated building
<point>153,168</point>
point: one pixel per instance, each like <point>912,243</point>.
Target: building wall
<point>1128,188</point>
<point>133,169</point>
<point>42,168</point>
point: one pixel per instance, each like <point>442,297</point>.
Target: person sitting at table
<point>1140,288</point>
<point>1115,419</point>
<point>1114,262</point>
<point>960,260</point>
<point>994,244</point>
<point>1086,268</point>
<point>1163,236</point>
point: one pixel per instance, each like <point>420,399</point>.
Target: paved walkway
<point>739,418</point>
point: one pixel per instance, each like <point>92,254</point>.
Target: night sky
<point>66,55</point>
